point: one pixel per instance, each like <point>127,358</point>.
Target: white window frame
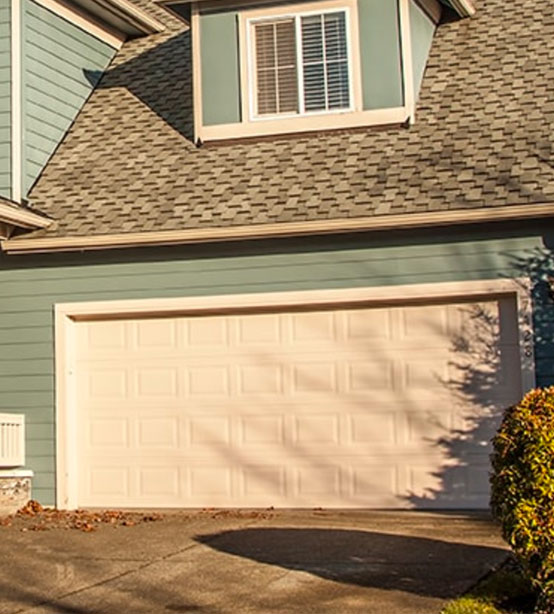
<point>251,62</point>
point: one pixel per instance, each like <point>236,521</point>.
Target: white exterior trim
<point>22,217</point>
<point>407,60</point>
<point>279,230</point>
<point>196,71</point>
<point>16,473</point>
<point>296,16</point>
<point>464,8</point>
<point>16,102</point>
<point>339,120</point>
<point>79,19</point>
<point>69,314</point>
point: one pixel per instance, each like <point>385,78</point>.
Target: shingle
<point>482,138</point>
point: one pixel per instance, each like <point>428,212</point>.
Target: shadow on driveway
<point>421,566</point>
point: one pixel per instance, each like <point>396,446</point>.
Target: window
<point>300,64</point>
<point>280,67</point>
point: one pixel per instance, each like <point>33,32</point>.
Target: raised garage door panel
<point>367,407</point>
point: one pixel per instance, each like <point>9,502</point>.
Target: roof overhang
<point>179,8</point>
<point>15,216</point>
<point>122,15</point>
<point>464,8</point>
<point>21,245</point>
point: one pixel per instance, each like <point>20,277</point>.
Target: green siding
<point>61,64</point>
<point>219,68</point>
<point>380,54</point>
<point>32,285</point>
<point>5,99</point>
<point>422,30</point>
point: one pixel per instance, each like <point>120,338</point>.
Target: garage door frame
<point>68,315</point>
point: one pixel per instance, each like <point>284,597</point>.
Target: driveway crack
<point>123,574</point>
<point>110,579</point>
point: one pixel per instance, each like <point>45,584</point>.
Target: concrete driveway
<point>325,562</point>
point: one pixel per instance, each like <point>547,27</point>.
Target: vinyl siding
<point>422,30</point>
<point>61,65</point>
<point>5,99</point>
<point>220,68</point>
<point>32,285</point>
<point>380,54</point>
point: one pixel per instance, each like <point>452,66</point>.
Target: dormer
<point>265,68</point>
<point>52,54</point>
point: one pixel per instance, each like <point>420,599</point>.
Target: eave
<point>464,8</point>
<point>121,15</point>
<point>12,216</point>
<point>21,245</point>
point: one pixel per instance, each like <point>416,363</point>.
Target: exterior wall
<point>220,68</point>
<point>61,65</point>
<point>380,54</point>
<point>5,99</point>
<point>422,30</point>
<point>32,285</point>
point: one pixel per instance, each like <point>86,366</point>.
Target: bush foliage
<point>522,496</point>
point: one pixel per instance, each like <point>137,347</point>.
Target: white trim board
<point>16,102</point>
<point>407,60</point>
<point>68,315</point>
<point>79,19</point>
<point>429,219</point>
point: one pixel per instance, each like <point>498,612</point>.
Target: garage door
<point>389,406</point>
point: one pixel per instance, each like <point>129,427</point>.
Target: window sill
<point>315,123</point>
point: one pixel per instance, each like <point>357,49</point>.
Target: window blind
<point>323,76</point>
<point>325,62</point>
<point>276,70</point>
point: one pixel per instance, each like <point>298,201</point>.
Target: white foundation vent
<point>12,440</point>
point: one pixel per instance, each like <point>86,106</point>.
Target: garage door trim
<point>68,314</point>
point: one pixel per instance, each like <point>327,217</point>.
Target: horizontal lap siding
<point>61,63</point>
<point>5,99</point>
<point>31,286</point>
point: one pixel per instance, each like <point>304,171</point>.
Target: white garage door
<point>365,407</point>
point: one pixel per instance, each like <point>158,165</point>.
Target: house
<point>273,253</point>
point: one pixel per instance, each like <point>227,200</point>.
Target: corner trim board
<point>196,71</point>
<point>407,60</point>
<point>16,102</point>
<point>277,230</point>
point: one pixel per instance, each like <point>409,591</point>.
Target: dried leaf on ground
<point>35,517</point>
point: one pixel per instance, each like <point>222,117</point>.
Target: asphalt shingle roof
<point>483,137</point>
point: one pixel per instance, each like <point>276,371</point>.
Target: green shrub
<point>469,605</point>
<point>522,481</point>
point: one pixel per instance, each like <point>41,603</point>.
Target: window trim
<point>251,77</point>
<point>293,123</point>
